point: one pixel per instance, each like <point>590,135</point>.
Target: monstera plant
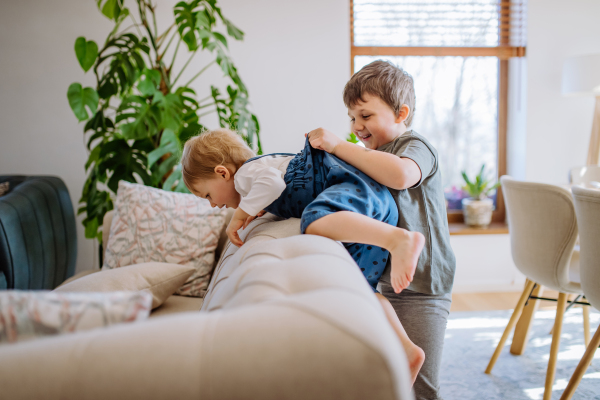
<point>140,113</point>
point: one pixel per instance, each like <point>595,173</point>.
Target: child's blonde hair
<point>202,153</point>
<point>385,80</point>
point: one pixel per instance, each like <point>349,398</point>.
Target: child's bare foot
<point>416,358</point>
<point>405,250</point>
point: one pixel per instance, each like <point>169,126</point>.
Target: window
<point>457,52</point>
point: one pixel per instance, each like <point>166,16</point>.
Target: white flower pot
<point>478,213</point>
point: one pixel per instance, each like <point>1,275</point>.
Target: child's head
<point>209,162</point>
<point>381,102</point>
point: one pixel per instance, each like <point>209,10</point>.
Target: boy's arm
<point>387,169</point>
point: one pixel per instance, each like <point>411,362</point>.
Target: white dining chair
<point>588,175</point>
<point>587,207</point>
<point>543,232</point>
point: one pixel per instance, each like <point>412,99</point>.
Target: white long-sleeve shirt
<point>260,182</point>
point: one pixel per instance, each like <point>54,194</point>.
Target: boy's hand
<point>323,140</point>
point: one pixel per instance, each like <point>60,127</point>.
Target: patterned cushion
<point>155,225</point>
<point>25,315</point>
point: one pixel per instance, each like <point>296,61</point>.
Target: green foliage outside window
<point>139,114</point>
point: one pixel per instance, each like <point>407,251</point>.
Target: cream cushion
<point>284,318</point>
<point>160,280</point>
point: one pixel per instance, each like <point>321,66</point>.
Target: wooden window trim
<point>503,52</point>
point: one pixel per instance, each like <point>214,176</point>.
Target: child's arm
<point>387,169</point>
<point>259,185</point>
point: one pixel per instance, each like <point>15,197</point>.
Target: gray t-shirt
<point>422,208</point>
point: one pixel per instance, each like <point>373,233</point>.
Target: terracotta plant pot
<point>478,213</point>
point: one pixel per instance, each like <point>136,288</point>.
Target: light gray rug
<point>471,338</point>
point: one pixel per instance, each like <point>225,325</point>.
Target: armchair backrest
<point>38,239</point>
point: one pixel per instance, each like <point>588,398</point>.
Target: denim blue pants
<point>319,184</point>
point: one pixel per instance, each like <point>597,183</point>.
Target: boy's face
<point>374,122</point>
<point>220,191</point>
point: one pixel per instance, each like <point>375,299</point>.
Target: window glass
<point>457,111</point>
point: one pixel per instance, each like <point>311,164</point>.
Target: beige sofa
<point>286,316</point>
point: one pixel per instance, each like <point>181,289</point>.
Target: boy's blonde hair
<point>202,153</point>
<point>386,81</point>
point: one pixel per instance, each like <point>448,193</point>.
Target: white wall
<point>295,62</point>
<point>558,127</point>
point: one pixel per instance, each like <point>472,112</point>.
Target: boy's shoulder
<point>403,142</point>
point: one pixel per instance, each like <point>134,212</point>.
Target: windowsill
<point>495,228</point>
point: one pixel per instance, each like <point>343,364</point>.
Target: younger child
<point>332,199</point>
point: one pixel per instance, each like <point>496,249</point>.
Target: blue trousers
<point>319,184</point>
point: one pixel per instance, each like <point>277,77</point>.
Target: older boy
<point>381,102</point>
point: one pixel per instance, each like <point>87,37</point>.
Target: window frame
<point>504,51</point>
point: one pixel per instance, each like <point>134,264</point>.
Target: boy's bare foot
<point>416,358</point>
<point>405,250</point>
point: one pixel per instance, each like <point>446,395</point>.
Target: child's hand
<point>232,231</point>
<point>250,219</point>
<point>239,219</point>
<point>323,140</point>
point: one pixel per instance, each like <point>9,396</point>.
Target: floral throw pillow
<point>155,225</point>
<point>26,315</point>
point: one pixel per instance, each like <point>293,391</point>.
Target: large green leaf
<point>125,62</point>
<point>79,98</point>
<point>186,20</point>
<point>149,82</point>
<point>169,144</point>
<point>110,8</point>
<point>171,112</point>
<point>86,52</point>
<point>138,119</point>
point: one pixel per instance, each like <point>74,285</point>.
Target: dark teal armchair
<point>38,239</point>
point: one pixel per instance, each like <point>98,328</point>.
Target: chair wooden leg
<point>583,365</point>
<point>570,297</point>
<point>511,324</point>
<point>524,324</point>
<point>586,324</point>
<point>560,312</point>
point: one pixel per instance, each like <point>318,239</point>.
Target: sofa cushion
<point>25,315</point>
<point>177,304</point>
<point>155,225</point>
<point>160,280</point>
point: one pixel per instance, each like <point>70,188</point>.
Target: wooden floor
<point>493,301</point>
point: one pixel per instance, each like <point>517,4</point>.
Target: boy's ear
<point>223,171</point>
<point>403,113</point>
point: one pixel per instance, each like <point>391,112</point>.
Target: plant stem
<point>184,67</point>
<point>204,99</point>
<point>175,54</point>
<point>206,105</point>
<point>206,113</point>
<point>145,23</point>
<point>199,73</point>
<point>161,39</point>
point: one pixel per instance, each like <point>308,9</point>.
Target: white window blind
<point>435,23</point>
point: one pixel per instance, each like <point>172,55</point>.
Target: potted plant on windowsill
<point>478,208</point>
